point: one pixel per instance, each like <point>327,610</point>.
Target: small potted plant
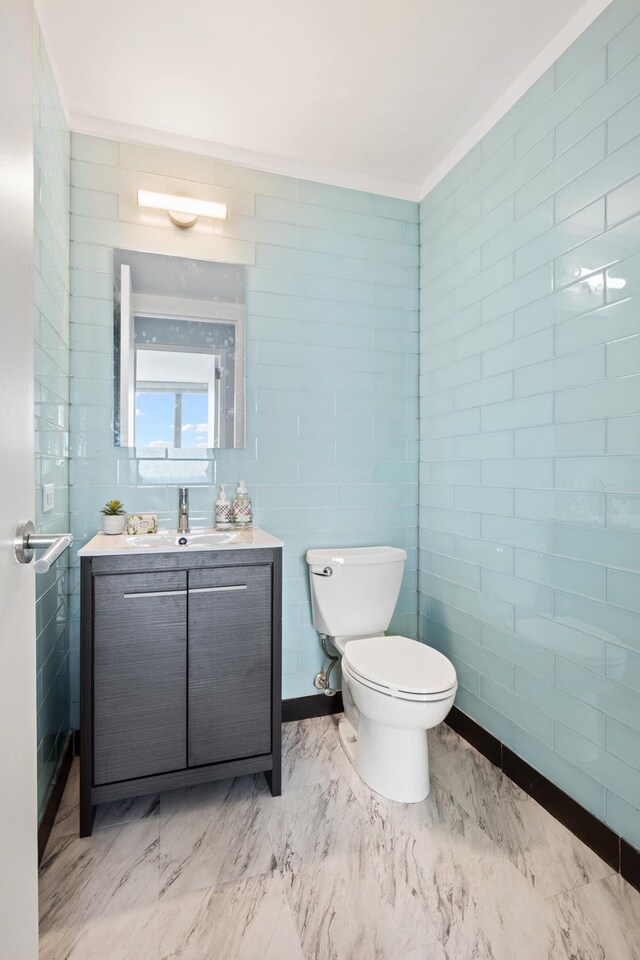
<point>114,517</point>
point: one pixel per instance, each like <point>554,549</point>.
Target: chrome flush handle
<point>327,572</point>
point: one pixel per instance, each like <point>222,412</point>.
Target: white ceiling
<point>375,94</point>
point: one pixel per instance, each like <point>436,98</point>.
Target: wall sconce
<point>183,211</point>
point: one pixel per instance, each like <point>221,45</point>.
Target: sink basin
<point>167,541</point>
<point>209,538</point>
<point>196,540</point>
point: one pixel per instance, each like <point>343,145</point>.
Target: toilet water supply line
<point>322,679</point>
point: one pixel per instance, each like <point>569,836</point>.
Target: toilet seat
<point>400,667</point>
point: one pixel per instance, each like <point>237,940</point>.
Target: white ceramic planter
<point>114,525</point>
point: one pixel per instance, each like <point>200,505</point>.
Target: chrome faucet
<point>183,510</point>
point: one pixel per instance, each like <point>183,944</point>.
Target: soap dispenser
<point>242,509</point>
<point>224,510</point>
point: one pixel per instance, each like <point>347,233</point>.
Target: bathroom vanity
<point>180,662</point>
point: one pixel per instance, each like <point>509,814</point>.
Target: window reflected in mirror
<point>179,357</point>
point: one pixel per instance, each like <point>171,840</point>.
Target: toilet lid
<point>401,664</point>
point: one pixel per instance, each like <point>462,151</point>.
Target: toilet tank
<point>360,595</point>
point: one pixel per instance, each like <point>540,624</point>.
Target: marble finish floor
<point>331,871</point>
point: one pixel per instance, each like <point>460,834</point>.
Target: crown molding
<point>253,159</point>
<point>327,173</point>
<point>545,59</point>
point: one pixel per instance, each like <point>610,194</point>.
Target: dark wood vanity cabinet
<point>180,671</point>
<point>229,664</point>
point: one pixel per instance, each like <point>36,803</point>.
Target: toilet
<point>394,689</point>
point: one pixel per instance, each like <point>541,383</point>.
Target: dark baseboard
<point>317,705</point>
<point>613,849</point>
<point>46,824</point>
<point>630,864</point>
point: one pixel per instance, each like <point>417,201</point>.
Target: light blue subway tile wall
<point>51,294</point>
<point>529,560</point>
<point>332,364</point>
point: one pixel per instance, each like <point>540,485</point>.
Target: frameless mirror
<point>179,352</point>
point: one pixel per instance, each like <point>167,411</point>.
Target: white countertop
<point>104,545</point>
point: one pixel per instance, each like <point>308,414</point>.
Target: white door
<point>18,805</point>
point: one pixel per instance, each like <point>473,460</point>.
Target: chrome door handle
<point>27,541</point>
<point>239,586</point>
<point>154,593</point>
<point>327,572</point>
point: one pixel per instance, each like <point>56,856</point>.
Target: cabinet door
<point>229,663</point>
<point>139,675</point>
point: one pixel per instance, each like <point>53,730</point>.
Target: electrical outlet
<point>48,497</point>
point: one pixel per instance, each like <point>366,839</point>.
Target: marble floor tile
<point>123,811</point>
<point>250,920</point>
<point>443,739</point>
<point>311,752</point>
<point>479,904</point>
<point>369,878</point>
<point>445,889</point>
<point>212,834</point>
<point>600,921</point>
<point>101,890</point>
<point>544,851</point>
<point>391,816</point>
<point>67,818</point>
<point>107,814</point>
<point>332,871</point>
<point>339,875</point>
<point>320,823</point>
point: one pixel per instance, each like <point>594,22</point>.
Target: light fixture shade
<point>187,205</point>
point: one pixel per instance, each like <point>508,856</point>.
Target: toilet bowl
<point>394,688</point>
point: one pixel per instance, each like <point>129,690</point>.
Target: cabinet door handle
<point>155,593</point>
<point>239,586</point>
